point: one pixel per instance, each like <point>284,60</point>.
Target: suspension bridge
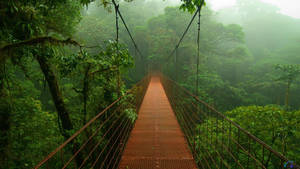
<point>171,129</point>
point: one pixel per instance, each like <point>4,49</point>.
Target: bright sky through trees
<point>288,7</point>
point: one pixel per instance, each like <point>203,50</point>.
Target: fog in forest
<point>241,46</point>
<point>61,65</point>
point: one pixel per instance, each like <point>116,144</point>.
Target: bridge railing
<point>100,142</point>
<point>215,141</point>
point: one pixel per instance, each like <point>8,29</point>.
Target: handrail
<point>143,83</point>
<point>177,87</point>
<point>76,134</point>
<point>227,119</point>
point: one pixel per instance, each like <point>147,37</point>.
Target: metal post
<point>198,51</point>
<point>117,41</point>
<point>176,64</point>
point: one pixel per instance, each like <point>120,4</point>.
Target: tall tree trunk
<point>4,116</point>
<point>287,94</point>
<point>61,109</point>
<point>85,92</point>
<point>119,82</point>
<point>2,78</point>
<point>55,93</point>
<point>274,137</point>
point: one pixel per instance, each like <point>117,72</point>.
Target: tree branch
<point>35,41</point>
<point>113,68</point>
<point>40,40</point>
<point>77,90</point>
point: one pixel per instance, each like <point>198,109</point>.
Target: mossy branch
<point>40,40</point>
<point>35,41</point>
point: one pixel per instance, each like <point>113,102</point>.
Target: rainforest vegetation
<point>60,65</point>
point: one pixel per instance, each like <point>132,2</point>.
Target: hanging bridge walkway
<point>156,140</point>
<point>173,130</point>
<point>160,125</point>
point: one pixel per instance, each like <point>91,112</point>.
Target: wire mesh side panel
<point>100,142</point>
<point>215,140</point>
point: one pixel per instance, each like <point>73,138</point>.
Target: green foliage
<point>288,72</point>
<point>236,68</point>
<point>273,124</point>
<point>191,5</point>
<point>31,130</point>
<point>109,57</point>
<point>26,142</point>
<point>131,114</point>
<point>35,18</point>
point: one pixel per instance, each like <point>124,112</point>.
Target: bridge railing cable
<point>183,35</point>
<point>101,141</point>
<point>215,140</point>
<point>126,27</point>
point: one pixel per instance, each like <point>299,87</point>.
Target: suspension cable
<point>198,50</point>
<point>183,35</point>
<point>117,23</point>
<point>176,64</point>
<point>117,41</point>
<point>127,29</point>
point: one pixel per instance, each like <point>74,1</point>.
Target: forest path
<point>156,140</point>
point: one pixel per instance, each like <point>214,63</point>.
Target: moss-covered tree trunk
<point>4,116</point>
<point>85,91</point>
<point>56,94</point>
<point>60,106</point>
<point>287,93</point>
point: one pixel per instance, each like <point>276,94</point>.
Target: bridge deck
<point>156,140</point>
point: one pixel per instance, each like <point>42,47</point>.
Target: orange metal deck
<point>156,140</point>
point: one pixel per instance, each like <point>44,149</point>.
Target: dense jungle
<point>61,64</point>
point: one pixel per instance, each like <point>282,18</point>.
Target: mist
<point>61,63</point>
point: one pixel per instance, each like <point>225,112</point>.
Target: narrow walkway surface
<point>156,141</point>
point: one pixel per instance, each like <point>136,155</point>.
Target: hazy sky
<point>288,7</point>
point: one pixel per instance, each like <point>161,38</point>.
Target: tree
<point>288,74</point>
<point>273,125</point>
